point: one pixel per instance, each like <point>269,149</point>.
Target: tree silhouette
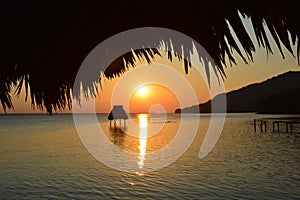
<point>43,43</point>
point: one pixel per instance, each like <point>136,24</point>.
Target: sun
<point>142,91</point>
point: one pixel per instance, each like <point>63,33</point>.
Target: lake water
<point>42,157</point>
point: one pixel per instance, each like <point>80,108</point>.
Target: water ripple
<point>53,164</point>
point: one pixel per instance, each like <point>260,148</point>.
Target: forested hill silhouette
<point>279,94</point>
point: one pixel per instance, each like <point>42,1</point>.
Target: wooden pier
<point>277,125</point>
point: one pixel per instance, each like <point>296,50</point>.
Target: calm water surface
<point>43,157</point>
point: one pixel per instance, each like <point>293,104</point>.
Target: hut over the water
<point>117,113</point>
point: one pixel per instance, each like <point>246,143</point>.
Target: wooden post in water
<point>261,129</point>
<point>265,122</point>
<point>291,127</point>
<point>277,124</point>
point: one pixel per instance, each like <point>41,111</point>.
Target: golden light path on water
<point>143,124</point>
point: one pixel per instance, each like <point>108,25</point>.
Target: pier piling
<point>276,122</point>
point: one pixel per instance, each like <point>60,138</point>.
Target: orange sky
<point>165,82</point>
<point>237,76</point>
<point>168,87</point>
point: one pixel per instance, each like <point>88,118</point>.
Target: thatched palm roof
<point>44,43</point>
<point>117,112</point>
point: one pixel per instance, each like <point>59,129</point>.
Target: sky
<point>163,86</point>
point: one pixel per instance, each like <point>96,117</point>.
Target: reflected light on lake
<point>143,124</point>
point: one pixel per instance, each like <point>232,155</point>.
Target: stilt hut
<point>117,113</point>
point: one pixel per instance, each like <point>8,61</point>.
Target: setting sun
<point>153,98</point>
<point>142,91</point>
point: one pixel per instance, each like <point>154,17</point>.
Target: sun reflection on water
<point>143,124</point>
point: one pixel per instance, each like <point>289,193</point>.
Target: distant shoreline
<point>3,114</point>
<point>206,113</point>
